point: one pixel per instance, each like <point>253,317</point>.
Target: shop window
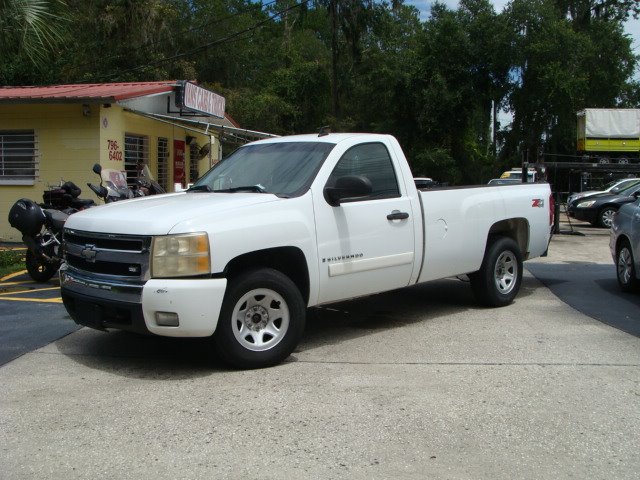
<point>18,157</point>
<point>194,155</point>
<point>136,150</point>
<point>163,163</point>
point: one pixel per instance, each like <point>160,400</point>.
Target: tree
<point>30,33</point>
<point>30,27</point>
<point>565,59</point>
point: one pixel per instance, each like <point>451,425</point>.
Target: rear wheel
<point>498,281</point>
<point>605,217</point>
<point>261,321</point>
<point>625,268</point>
<point>39,269</point>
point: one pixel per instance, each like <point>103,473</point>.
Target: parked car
<point>504,181</point>
<point>625,245</point>
<point>616,186</point>
<point>599,209</point>
<point>516,174</point>
<point>424,182</point>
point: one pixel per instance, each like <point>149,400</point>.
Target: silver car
<point>624,243</point>
<point>615,186</point>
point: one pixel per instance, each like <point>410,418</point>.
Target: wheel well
<point>288,260</point>
<point>515,228</point>
<point>608,205</point>
<point>621,238</point>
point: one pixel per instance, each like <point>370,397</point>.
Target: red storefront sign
<point>178,161</point>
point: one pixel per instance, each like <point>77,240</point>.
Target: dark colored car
<point>625,245</point>
<point>599,209</point>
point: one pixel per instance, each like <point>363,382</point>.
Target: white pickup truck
<point>285,224</point>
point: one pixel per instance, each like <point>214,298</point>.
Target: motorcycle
<point>65,197</point>
<point>41,227</point>
<point>113,184</point>
<point>146,182</point>
<point>41,230</point>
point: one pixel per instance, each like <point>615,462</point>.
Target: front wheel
<point>498,281</point>
<point>625,268</point>
<point>39,269</point>
<point>605,217</point>
<point>261,321</point>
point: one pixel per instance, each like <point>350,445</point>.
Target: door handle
<point>397,215</point>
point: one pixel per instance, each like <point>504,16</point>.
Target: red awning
<point>84,93</point>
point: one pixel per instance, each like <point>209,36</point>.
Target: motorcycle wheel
<point>38,269</point>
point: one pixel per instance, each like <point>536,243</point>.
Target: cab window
<point>370,160</point>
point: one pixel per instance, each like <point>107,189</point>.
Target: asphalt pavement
<point>32,315</point>
<point>415,383</point>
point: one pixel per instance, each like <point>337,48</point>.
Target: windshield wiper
<point>247,188</point>
<point>200,188</point>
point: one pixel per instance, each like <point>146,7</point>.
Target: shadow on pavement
<point>591,289</point>
<point>140,356</point>
<point>386,311</point>
<point>153,358</point>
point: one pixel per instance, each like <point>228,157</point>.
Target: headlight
<point>586,204</point>
<point>183,255</point>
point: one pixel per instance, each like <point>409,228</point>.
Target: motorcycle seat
<point>83,202</point>
<point>56,217</point>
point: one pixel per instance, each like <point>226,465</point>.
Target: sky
<point>632,26</point>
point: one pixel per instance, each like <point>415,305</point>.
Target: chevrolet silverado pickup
<point>289,223</point>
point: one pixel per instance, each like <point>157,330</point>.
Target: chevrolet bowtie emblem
<point>89,253</point>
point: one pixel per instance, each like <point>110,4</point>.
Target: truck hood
<point>158,214</point>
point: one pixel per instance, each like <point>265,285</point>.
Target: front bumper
<point>586,214</point>
<point>103,304</point>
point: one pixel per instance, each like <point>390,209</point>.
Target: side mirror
<point>97,168</point>
<point>348,188</point>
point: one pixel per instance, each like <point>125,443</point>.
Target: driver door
<point>365,245</point>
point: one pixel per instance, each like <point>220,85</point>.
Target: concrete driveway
<point>416,383</point>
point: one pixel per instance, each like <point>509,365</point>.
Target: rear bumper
<point>110,305</point>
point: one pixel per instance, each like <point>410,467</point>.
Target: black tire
<point>498,281</point>
<point>625,268</point>
<point>605,216</point>
<point>38,269</point>
<point>250,336</point>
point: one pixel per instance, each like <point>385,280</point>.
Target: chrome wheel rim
<point>506,272</point>
<point>607,217</point>
<point>625,265</point>
<point>260,319</point>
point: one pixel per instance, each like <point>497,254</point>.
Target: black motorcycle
<point>65,197</point>
<point>41,227</point>
<point>41,230</point>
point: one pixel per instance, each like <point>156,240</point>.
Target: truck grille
<point>114,256</point>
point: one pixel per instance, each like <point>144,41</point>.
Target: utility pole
<point>333,13</point>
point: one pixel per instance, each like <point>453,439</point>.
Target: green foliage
<point>436,163</point>
<point>11,261</point>
<point>358,65</point>
<point>30,29</point>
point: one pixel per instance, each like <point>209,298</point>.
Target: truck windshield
<point>282,168</point>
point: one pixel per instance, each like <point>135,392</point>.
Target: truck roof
<point>328,138</point>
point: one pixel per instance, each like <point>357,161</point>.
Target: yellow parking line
<point>31,290</point>
<point>39,300</point>
<point>12,275</point>
<point>4,284</point>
